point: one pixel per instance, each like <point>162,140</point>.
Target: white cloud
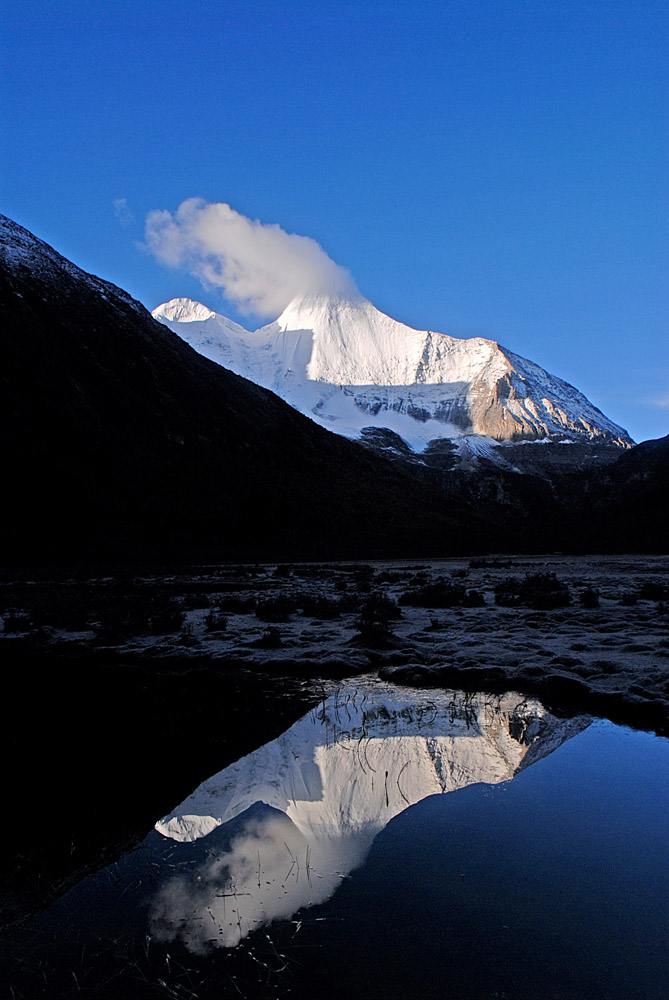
<point>259,267</point>
<point>122,211</point>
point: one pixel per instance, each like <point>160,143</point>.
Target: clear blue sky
<point>492,168</point>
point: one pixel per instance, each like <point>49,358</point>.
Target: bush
<point>491,563</point>
<point>540,591</point>
<point>373,622</point>
<point>187,638</point>
<point>315,571</point>
<point>473,599</point>
<point>17,621</point>
<point>270,639</point>
<point>379,608</point>
<point>322,608</point>
<point>138,612</point>
<point>589,597</point>
<point>120,624</point>
<point>215,621</point>
<point>164,615</point>
<point>361,570</point>
<point>234,604</point>
<point>442,594</point>
<point>653,591</point>
<point>68,608</point>
<point>276,609</point>
<point>193,602</point>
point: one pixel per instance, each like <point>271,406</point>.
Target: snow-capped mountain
<point>333,781</point>
<point>346,365</point>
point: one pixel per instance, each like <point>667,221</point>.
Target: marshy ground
<point>594,629</point>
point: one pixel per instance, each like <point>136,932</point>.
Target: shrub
<point>322,608</point>
<point>283,571</point>
<point>540,591</point>
<point>442,594</point>
<point>379,608</point>
<point>215,621</point>
<point>187,638</point>
<point>17,621</point>
<point>373,622</point>
<point>276,609</point>
<point>484,563</point>
<point>315,571</point>
<point>361,570</point>
<point>66,608</point>
<point>653,591</point>
<point>164,615</point>
<point>270,639</point>
<point>193,602</point>
<point>589,597</point>
<point>119,625</point>
<point>234,604</point>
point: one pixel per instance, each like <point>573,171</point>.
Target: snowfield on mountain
<point>346,365</point>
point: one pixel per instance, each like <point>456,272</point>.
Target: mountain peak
<point>183,311</point>
<point>307,311</point>
<point>344,363</point>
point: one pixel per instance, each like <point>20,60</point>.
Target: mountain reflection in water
<point>328,786</point>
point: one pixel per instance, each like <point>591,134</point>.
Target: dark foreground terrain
<point>122,693</point>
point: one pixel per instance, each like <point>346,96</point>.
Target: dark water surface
<point>391,844</point>
<point>553,885</point>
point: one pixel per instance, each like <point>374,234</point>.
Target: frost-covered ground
<point>603,649</point>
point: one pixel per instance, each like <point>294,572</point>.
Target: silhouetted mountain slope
<point>118,439</point>
<point>631,503</point>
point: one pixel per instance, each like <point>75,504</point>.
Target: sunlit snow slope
<point>348,366</point>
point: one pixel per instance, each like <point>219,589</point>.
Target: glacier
<point>348,366</point>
